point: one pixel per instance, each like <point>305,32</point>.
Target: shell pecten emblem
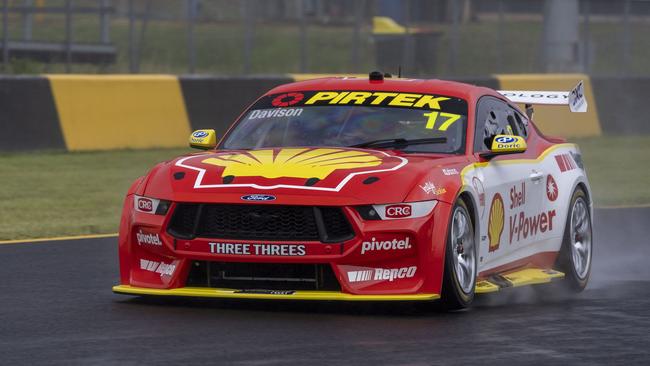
<point>327,169</point>
<point>292,163</point>
<point>495,222</point>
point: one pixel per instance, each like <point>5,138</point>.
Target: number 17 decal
<point>433,117</point>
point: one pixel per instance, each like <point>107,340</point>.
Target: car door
<point>510,187</point>
<point>530,221</point>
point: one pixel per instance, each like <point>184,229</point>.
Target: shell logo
<point>551,188</point>
<point>495,222</point>
<point>292,163</point>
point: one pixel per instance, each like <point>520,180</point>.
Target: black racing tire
<point>566,262</point>
<point>453,296</point>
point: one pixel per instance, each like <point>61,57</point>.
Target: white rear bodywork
<point>534,206</point>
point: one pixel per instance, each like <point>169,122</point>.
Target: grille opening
<point>263,276</point>
<point>260,222</point>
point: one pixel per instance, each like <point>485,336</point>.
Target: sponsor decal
<point>523,226</point>
<point>565,162</point>
<point>444,106</point>
<point>385,245</point>
<point>505,139</point>
<point>275,113</point>
<point>147,238</point>
<point>157,267</point>
<point>277,250</point>
<point>518,196</point>
<point>380,274</point>
<point>377,98</point>
<point>258,197</point>
<point>360,276</point>
<point>288,99</point>
<point>265,292</point>
<point>480,190</point>
<point>534,95</point>
<point>199,134</point>
<point>398,211</point>
<point>496,222</point>
<point>144,204</point>
<point>430,188</point>
<point>551,188</point>
<point>405,210</point>
<point>320,169</point>
<point>451,171</point>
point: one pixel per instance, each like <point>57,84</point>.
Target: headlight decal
<point>150,205</point>
<point>394,211</point>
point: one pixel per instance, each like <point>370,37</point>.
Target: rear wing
<point>575,98</point>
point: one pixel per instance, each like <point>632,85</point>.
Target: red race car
<point>365,189</point>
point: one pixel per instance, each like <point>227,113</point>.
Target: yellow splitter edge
<point>296,295</point>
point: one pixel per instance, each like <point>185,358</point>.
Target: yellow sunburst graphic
<point>495,222</point>
<point>292,163</point>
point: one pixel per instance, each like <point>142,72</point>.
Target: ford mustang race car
<point>365,189</point>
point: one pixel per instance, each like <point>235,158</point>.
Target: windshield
<point>348,118</point>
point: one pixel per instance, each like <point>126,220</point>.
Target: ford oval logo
<point>505,139</point>
<point>199,134</point>
<point>258,197</point>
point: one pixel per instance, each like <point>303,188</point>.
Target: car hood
<point>321,176</point>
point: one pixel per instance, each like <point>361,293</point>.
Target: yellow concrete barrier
<point>99,112</point>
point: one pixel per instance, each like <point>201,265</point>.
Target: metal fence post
<point>143,30</point>
<point>453,38</point>
<point>499,48</point>
<point>132,50</point>
<point>28,18</point>
<point>68,36</point>
<point>104,21</point>
<point>303,37</point>
<point>248,21</point>
<point>191,50</point>
<point>626,37</point>
<point>586,44</point>
<point>359,7</point>
<point>5,35</point>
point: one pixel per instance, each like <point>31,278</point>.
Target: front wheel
<point>459,277</point>
<point>575,255</point>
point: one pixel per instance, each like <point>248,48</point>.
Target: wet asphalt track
<point>57,308</point>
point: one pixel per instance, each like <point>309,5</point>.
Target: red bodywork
<point>426,235</point>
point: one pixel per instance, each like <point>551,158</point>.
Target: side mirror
<point>203,139</point>
<point>506,144</point>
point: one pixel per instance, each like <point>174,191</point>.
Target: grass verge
<point>47,194</point>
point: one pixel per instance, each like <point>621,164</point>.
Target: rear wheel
<point>575,255</point>
<point>459,277</point>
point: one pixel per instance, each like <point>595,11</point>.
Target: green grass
<point>48,194</point>
<point>617,168</point>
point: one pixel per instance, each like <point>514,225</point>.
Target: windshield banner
<point>364,98</point>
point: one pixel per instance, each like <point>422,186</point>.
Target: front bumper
<point>152,262</point>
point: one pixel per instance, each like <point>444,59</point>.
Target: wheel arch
<point>582,183</point>
<point>467,197</point>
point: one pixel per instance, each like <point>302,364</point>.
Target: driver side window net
<point>495,117</point>
<point>491,120</point>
